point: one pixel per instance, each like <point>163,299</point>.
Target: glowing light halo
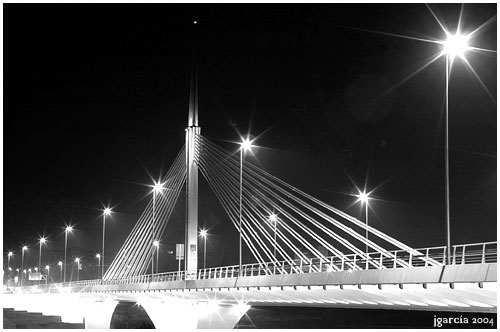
<point>456,45</point>
<point>158,187</point>
<point>246,144</point>
<point>107,211</point>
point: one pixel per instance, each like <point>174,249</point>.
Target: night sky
<point>96,99</point>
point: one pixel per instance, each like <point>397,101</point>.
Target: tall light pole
<point>455,45</point>
<point>77,261</point>
<point>98,256</point>
<point>156,244</point>
<point>246,145</point>
<point>107,212</point>
<point>23,249</point>
<point>157,188</point>
<point>364,197</point>
<point>274,219</point>
<point>61,273</point>
<point>68,230</point>
<point>203,234</point>
<point>42,241</point>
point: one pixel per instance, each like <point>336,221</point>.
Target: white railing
<point>434,256</point>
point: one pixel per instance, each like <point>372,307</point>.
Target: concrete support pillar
<point>222,317</point>
<point>98,314</point>
<point>172,315</point>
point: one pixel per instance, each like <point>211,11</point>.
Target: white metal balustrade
<point>435,256</point>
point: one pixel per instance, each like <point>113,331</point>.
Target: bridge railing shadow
<point>475,253</point>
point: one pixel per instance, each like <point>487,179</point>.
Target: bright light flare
<point>363,197</point>
<point>10,253</point>
<point>60,263</point>
<point>456,45</point>
<point>69,228</point>
<point>98,256</point>
<point>77,260</point>
<point>47,267</point>
<point>203,232</point>
<point>158,187</point>
<point>246,144</point>
<point>156,243</point>
<point>42,240</point>
<point>107,211</point>
<point>25,248</point>
<point>273,217</point>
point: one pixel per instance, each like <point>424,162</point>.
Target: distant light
<point>77,260</point>
<point>69,228</point>
<point>36,269</point>
<point>98,256</point>
<point>156,243</point>
<point>273,217</point>
<point>47,267</point>
<point>10,269</point>
<point>17,270</point>
<point>203,232</point>
<point>25,248</point>
<point>195,22</point>
<point>42,240</point>
<point>11,253</point>
<point>363,197</point>
<point>329,269</point>
<point>60,263</point>
<point>29,270</point>
<point>246,144</point>
<point>107,211</point>
<point>456,45</point>
<point>158,187</point>
<point>24,271</point>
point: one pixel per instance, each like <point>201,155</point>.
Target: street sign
<point>35,276</point>
<point>179,251</point>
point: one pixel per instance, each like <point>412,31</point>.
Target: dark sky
<point>96,97</point>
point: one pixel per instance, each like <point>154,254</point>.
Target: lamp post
<point>453,46</point>
<point>61,273</point>
<point>157,188</point>
<point>68,230</point>
<point>77,261</point>
<point>156,245</point>
<point>364,197</point>
<point>274,219</point>
<point>246,145</point>
<point>22,262</point>
<point>42,241</point>
<point>107,212</point>
<point>48,274</point>
<point>98,256</point>
<point>203,234</point>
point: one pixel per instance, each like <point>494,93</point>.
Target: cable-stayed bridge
<point>305,252</point>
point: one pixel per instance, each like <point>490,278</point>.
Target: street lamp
<point>157,188</point>
<point>364,197</point>
<point>246,145</point>
<point>453,46</point>
<point>77,261</point>
<point>61,273</point>
<point>9,255</point>
<point>203,234</point>
<point>22,262</point>
<point>48,274</point>
<point>68,230</point>
<point>42,241</point>
<point>98,256</point>
<point>156,244</point>
<point>274,219</point>
<point>107,212</point>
